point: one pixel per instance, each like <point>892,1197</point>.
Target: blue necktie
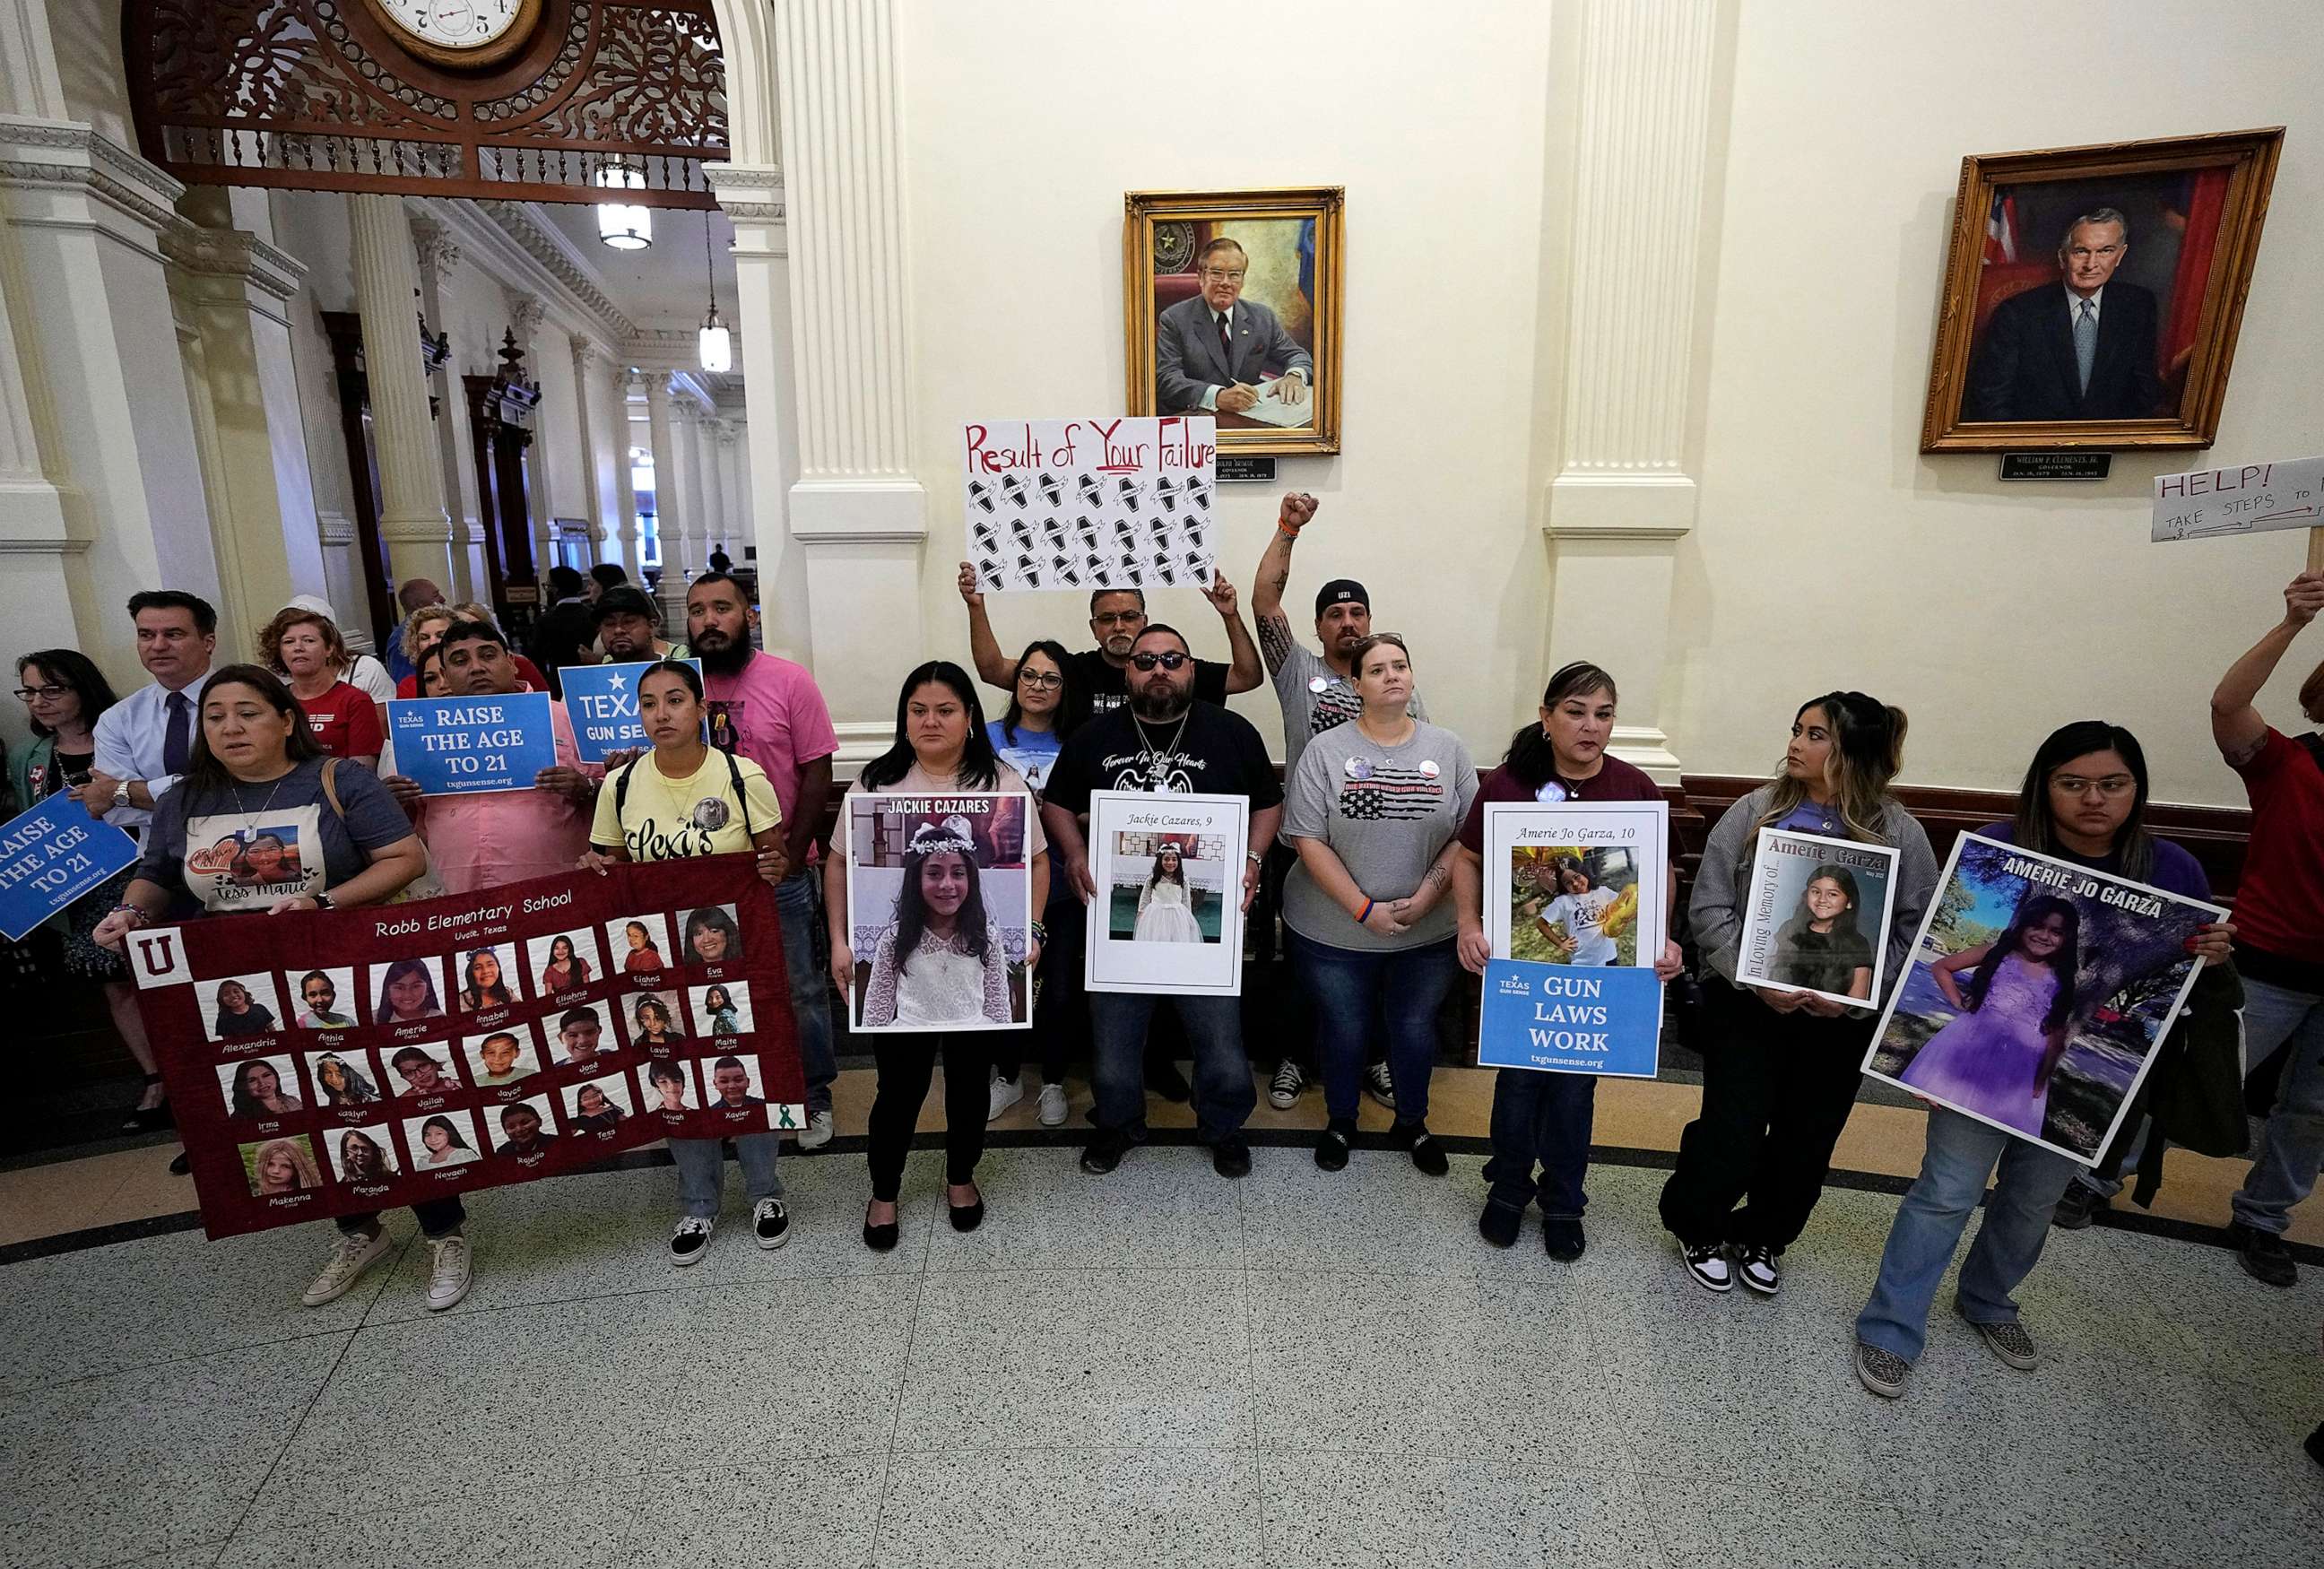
<point>2086,341</point>
<point>177,741</point>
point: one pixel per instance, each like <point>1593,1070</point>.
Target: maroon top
<point>1615,781</point>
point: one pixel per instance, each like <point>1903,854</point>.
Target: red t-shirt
<point>345,722</point>
<point>526,671</point>
<point>2280,902</point>
<point>1615,781</point>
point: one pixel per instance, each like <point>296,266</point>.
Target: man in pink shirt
<point>769,710</point>
<point>482,841</point>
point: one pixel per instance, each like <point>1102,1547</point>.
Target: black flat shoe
<point>967,1218</point>
<point>182,1166</point>
<point>149,1118</point>
<point>880,1238</point>
<point>1331,1146</point>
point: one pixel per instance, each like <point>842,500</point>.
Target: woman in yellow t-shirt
<point>682,799</point>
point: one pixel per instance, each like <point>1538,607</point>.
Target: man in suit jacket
<point>2082,350</point>
<point>1209,351</point>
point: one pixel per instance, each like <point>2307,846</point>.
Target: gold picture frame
<point>2005,374</point>
<point>1291,239</point>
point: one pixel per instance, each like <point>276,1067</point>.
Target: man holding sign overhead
<point>481,840</point>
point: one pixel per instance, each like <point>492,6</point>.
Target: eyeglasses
<point>1040,680</point>
<point>1216,275</point>
<point>2113,785</point>
<point>28,693</point>
<point>1173,660</point>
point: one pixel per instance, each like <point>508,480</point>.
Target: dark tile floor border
<point>2147,1225</point>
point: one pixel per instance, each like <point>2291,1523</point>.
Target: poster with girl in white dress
<point>939,899</point>
<point>2038,995</point>
<point>1167,912</point>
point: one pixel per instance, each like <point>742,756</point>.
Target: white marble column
<point>585,391</point>
<point>1624,494</point>
<point>734,502</point>
<point>411,522</point>
<point>438,254</point>
<point>632,550</point>
<point>659,425</point>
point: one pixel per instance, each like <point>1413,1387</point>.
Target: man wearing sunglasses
<point>1117,616</point>
<point>1167,740</point>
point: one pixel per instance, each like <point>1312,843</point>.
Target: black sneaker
<point>1708,1266</point>
<point>1231,1157</point>
<point>1755,1266</point>
<point>1499,1224</point>
<point>1427,1154</point>
<point>686,1243</point>
<point>2263,1256</point>
<point>771,1222</point>
<point>1332,1145</point>
<point>1105,1152</point>
<point>1562,1236</point>
<point>2077,1206</point>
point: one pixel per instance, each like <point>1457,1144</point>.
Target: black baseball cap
<point>1341,591</point>
<point>625,600</point>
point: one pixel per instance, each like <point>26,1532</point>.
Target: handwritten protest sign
<point>2254,498</point>
<point>1085,505</point>
<point>50,856</point>
<point>602,701</point>
<point>462,746</point>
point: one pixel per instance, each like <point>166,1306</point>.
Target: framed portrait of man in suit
<point>2093,295</point>
<point>1231,306</point>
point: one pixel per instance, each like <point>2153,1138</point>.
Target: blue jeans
<point>1224,1094</point>
<point>701,1164</point>
<point>1961,1152</point>
<point>1539,1118</point>
<point>1356,991</point>
<point>810,986</point>
<point>2293,1146</point>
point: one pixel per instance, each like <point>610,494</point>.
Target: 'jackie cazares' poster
<point>1815,917</point>
<point>2038,995</point>
<point>939,904</point>
<point>1574,897</point>
<point>408,1051</point>
<point>1167,914</point>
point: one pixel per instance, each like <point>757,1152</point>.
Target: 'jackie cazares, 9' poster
<point>939,895</point>
<point>412,1050</point>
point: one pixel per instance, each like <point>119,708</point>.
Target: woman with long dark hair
<point>64,693</point>
<point>256,765</point>
<point>2083,801</point>
<point>1047,704</point>
<point>258,1092</point>
<point>941,747</point>
<point>1779,1077</point>
<point>1542,1123</point>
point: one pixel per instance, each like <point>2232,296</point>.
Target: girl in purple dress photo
<point>1997,1058</point>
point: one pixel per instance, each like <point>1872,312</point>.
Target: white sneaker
<point>1004,1094</point>
<point>1707,1267</point>
<point>1284,1093</point>
<point>817,1131</point>
<point>353,1255</point>
<point>1053,1105</point>
<point>447,1282</point>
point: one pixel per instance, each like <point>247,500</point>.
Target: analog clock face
<point>454,23</point>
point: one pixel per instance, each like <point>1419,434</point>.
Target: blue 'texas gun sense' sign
<point>602,701</point>
<point>462,746</point>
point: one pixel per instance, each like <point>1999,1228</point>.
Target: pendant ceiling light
<point>622,225</point>
<point>718,345</point>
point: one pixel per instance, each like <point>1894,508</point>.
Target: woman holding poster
<point>1372,810</point>
<point>941,747</point>
<point>1780,1081</point>
<point>1541,1121</point>
<point>2083,801</point>
<point>254,761</point>
<point>679,800</point>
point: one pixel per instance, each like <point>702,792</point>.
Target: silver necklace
<point>1157,764</point>
<point>265,805</point>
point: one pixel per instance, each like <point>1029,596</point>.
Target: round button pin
<point>1551,791</point>
<point>1359,768</point>
<point>1317,683</point>
<point>1429,769</point>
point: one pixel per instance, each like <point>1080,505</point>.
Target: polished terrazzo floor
<point>1159,1367</point>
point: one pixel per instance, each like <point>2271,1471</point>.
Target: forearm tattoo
<point>1275,638</point>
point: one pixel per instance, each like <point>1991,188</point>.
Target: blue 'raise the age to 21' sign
<point>1571,1018</point>
<point>602,701</point>
<point>461,746</point>
<point>50,856</point>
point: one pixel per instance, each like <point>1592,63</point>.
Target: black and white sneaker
<point>771,1222</point>
<point>1707,1267</point>
<point>686,1243</point>
<point>1289,1081</point>
<point>1379,1085</point>
<point>1756,1263</point>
